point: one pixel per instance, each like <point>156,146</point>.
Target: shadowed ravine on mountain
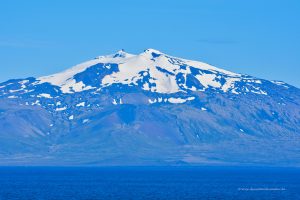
<point>148,109</point>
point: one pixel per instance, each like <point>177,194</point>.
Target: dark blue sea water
<point>149,183</point>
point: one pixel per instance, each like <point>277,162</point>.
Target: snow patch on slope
<point>170,100</point>
<point>208,80</point>
<point>45,95</point>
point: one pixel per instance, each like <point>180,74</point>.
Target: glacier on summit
<point>156,71</point>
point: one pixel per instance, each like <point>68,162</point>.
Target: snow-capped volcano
<point>150,108</point>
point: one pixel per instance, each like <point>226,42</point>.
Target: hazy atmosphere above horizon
<point>260,38</point>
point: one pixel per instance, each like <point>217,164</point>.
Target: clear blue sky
<point>257,37</point>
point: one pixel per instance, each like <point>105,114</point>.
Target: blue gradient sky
<point>260,38</point>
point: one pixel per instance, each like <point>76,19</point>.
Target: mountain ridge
<point>148,109</point>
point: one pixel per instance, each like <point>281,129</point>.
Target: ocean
<point>92,183</point>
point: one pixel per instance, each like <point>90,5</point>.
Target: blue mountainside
<point>148,109</point>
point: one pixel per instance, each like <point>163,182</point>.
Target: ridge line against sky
<point>254,37</point>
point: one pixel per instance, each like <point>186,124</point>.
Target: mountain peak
<point>152,51</point>
<point>121,53</point>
